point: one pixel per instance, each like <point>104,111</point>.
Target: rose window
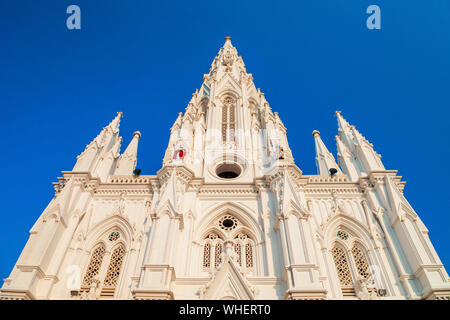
<point>341,234</point>
<point>114,236</point>
<point>228,223</point>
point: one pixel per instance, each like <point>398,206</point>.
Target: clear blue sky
<point>58,88</point>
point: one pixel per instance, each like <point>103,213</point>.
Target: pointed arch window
<point>249,255</point>
<point>362,265</point>
<point>228,119</point>
<point>105,275</point>
<point>113,272</point>
<point>243,247</point>
<point>94,264</point>
<point>360,261</point>
<point>212,250</point>
<point>342,268</point>
<point>217,253</point>
<point>237,240</point>
<point>348,271</point>
<point>237,249</point>
<point>206,256</point>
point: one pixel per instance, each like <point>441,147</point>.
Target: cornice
<point>238,189</point>
<point>377,177</point>
<point>318,179</point>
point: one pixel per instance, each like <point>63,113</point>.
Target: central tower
<point>228,130</point>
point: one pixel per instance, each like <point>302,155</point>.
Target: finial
<point>315,132</point>
<point>137,133</point>
<point>120,114</point>
<point>337,113</point>
<point>227,38</point>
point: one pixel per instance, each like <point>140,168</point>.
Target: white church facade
<point>229,215</point>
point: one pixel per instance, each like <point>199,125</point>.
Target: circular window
<point>342,234</point>
<point>114,236</point>
<point>228,223</point>
<point>228,171</point>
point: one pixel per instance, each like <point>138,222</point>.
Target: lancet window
<point>212,250</point>
<point>244,247</point>
<point>348,271</point>
<point>213,247</point>
<point>101,276</point>
<point>342,268</point>
<point>228,119</point>
<point>94,264</point>
<point>360,261</point>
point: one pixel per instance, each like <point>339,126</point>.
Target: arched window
<point>343,271</point>
<point>360,261</point>
<point>345,268</point>
<point>94,264</point>
<point>243,247</point>
<point>212,242</point>
<point>362,266</point>
<point>113,272</point>
<point>206,256</point>
<point>218,252</point>
<point>237,249</point>
<point>106,276</point>
<point>249,255</point>
<point>228,119</point>
<point>238,240</point>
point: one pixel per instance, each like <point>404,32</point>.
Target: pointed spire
<point>342,123</point>
<point>114,125</point>
<point>177,124</point>
<point>110,134</point>
<point>127,161</point>
<point>105,166</point>
<point>324,159</point>
<point>360,148</point>
<point>90,155</point>
<point>346,160</point>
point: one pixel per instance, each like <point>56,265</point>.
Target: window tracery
<point>228,222</point>
<point>342,268</point>
<point>218,252</point>
<point>115,265</point>
<point>360,261</point>
<point>237,249</point>
<point>94,264</point>
<point>105,275</point>
<point>212,249</point>
<point>113,236</point>
<point>342,234</point>
<point>350,274</point>
<point>240,242</point>
<point>206,256</point>
<point>249,255</point>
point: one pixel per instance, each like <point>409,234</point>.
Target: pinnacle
<point>137,133</point>
<point>227,39</point>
